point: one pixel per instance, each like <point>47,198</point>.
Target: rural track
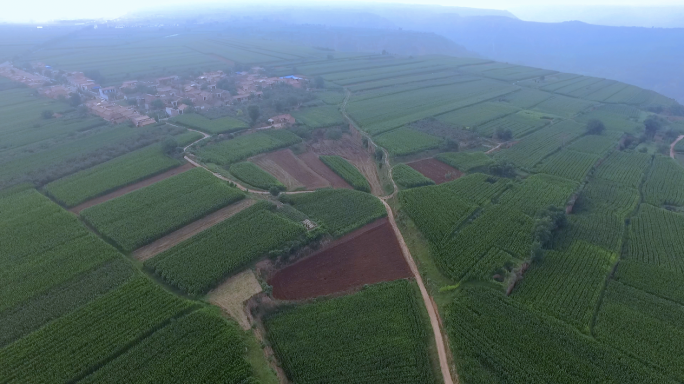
<point>429,304</point>
<point>672,146</point>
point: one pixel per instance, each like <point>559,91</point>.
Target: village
<point>146,102</point>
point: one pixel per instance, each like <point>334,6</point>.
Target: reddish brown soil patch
<point>436,170</point>
<point>190,230</point>
<point>290,170</point>
<point>368,255</point>
<point>316,165</point>
<point>132,187</point>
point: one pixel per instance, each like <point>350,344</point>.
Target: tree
<point>652,125</point>
<point>452,145</point>
<point>502,168</point>
<point>274,190</point>
<point>503,134</point>
<point>169,145</point>
<point>47,114</point>
<point>595,127</point>
<point>319,82</point>
<point>379,154</point>
<point>254,113</point>
<point>157,104</point>
<point>74,100</point>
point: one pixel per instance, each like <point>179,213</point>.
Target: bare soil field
<point>190,230</point>
<point>290,170</point>
<point>350,147</point>
<point>131,187</point>
<point>368,255</point>
<point>436,170</point>
<point>232,295</point>
<point>315,164</point>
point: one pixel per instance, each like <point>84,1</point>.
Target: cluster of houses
<point>129,101</point>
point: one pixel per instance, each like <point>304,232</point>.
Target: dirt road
<point>672,146</point>
<point>429,304</point>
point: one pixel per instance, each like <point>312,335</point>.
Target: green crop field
<point>665,183</point>
<point>568,164</point>
<point>478,114</point>
<point>347,171</point>
<point>538,192</point>
<point>319,117</point>
<point>520,124</point>
<point>251,174</point>
<point>106,177</point>
<point>626,168</point>
<point>230,151</point>
<point>656,238</point>
<point>216,126</point>
<point>407,177</point>
<point>465,161</point>
<point>142,216</point>
<point>340,211</point>
<point>202,262</point>
<point>44,246</point>
<point>405,141</point>
<point>378,335</point>
<point>568,284</point>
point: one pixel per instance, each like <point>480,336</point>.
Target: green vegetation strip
<point>230,151</point>
<point>251,174</point>
<point>378,335</point>
<point>216,126</point>
<point>347,171</point>
<point>405,141</point>
<point>205,260</point>
<point>465,161</point>
<point>408,177</point>
<point>339,210</point>
<point>140,217</point>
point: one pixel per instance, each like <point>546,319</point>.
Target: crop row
<point>665,183</point>
<point>568,164</point>
<point>340,210</point>
<point>603,229</point>
<point>251,174</point>
<point>378,335</point>
<point>319,117</point>
<point>216,126</point>
<point>408,177</point>
<point>520,124</point>
<point>626,168</point>
<point>42,246</point>
<point>657,237</point>
<point>230,151</point>
<point>140,217</point>
<point>501,340</point>
<point>75,344</point>
<point>473,116</point>
<point>465,161</point>
<point>603,196</point>
<point>405,141</point>
<point>538,192</point>
<point>567,284</point>
<point>347,171</point>
<point>205,260</point>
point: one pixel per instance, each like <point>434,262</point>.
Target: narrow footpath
<point>672,146</point>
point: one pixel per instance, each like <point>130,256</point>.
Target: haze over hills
<point>617,16</point>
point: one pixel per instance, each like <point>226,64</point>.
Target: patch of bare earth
<point>232,295</point>
<point>316,165</point>
<point>190,230</point>
<point>132,187</point>
<point>290,170</point>
<point>350,147</point>
<point>368,255</point>
<point>436,170</point>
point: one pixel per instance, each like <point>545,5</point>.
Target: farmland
<point>347,171</point>
<point>195,266</point>
<point>368,255</point>
<point>230,151</point>
<point>140,217</point>
<point>544,251</point>
<point>251,174</point>
<point>351,337</point>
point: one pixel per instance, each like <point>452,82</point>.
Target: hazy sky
<point>44,10</point>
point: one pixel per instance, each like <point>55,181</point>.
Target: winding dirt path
<point>672,146</point>
<point>429,303</point>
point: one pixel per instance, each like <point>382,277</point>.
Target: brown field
<point>316,165</point>
<point>190,230</point>
<point>232,294</point>
<point>132,187</point>
<point>436,170</point>
<point>290,170</point>
<point>368,255</point>
<point>350,147</point>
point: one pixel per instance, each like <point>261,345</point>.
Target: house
<point>182,108</point>
<point>282,120</point>
<point>108,93</point>
<point>129,84</point>
<point>172,112</point>
<point>166,80</point>
<point>142,120</point>
<point>205,96</point>
<point>240,98</point>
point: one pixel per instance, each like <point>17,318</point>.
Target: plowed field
<point>315,164</point>
<point>290,170</point>
<point>368,255</point>
<point>436,170</point>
